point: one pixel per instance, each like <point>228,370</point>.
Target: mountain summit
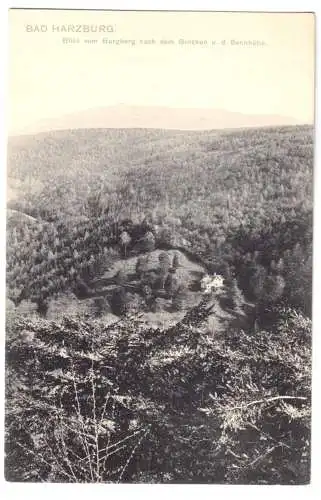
<point>122,116</point>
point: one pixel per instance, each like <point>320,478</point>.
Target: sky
<point>49,78</point>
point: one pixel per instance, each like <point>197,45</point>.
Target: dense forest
<point>134,222</point>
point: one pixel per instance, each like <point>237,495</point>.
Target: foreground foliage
<point>86,402</point>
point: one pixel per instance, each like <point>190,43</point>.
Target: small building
<point>212,283</point>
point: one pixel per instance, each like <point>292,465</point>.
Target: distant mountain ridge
<point>123,116</point>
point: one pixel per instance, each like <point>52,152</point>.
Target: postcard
<point>159,247</point>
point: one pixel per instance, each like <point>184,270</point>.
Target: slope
<point>136,169</point>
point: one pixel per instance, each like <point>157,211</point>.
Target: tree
<point>148,242</point>
<point>42,307</point>
<point>165,237</point>
<point>227,274</point>
<point>93,205</point>
<point>273,289</point>
<point>146,291</point>
<point>125,240</point>
<point>147,226</point>
<point>176,262</point>
<point>236,295</point>
<point>257,281</point>
<point>164,265</point>
<point>151,302</point>
<point>164,260</point>
<point>127,225</point>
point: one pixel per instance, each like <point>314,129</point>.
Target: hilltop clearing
<point>160,297</point>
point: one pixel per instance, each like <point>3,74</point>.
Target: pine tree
<point>42,307</point>
<point>257,281</point>
<point>176,262</point>
<point>236,296</point>
<point>164,265</point>
<point>273,289</point>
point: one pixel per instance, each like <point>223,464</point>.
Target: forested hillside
<point>254,167</point>
<point>182,265</point>
<point>241,201</point>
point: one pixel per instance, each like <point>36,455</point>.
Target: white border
<point>51,491</point>
<point>200,5</point>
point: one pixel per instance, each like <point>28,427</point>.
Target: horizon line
<point>218,130</point>
<point>43,124</point>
